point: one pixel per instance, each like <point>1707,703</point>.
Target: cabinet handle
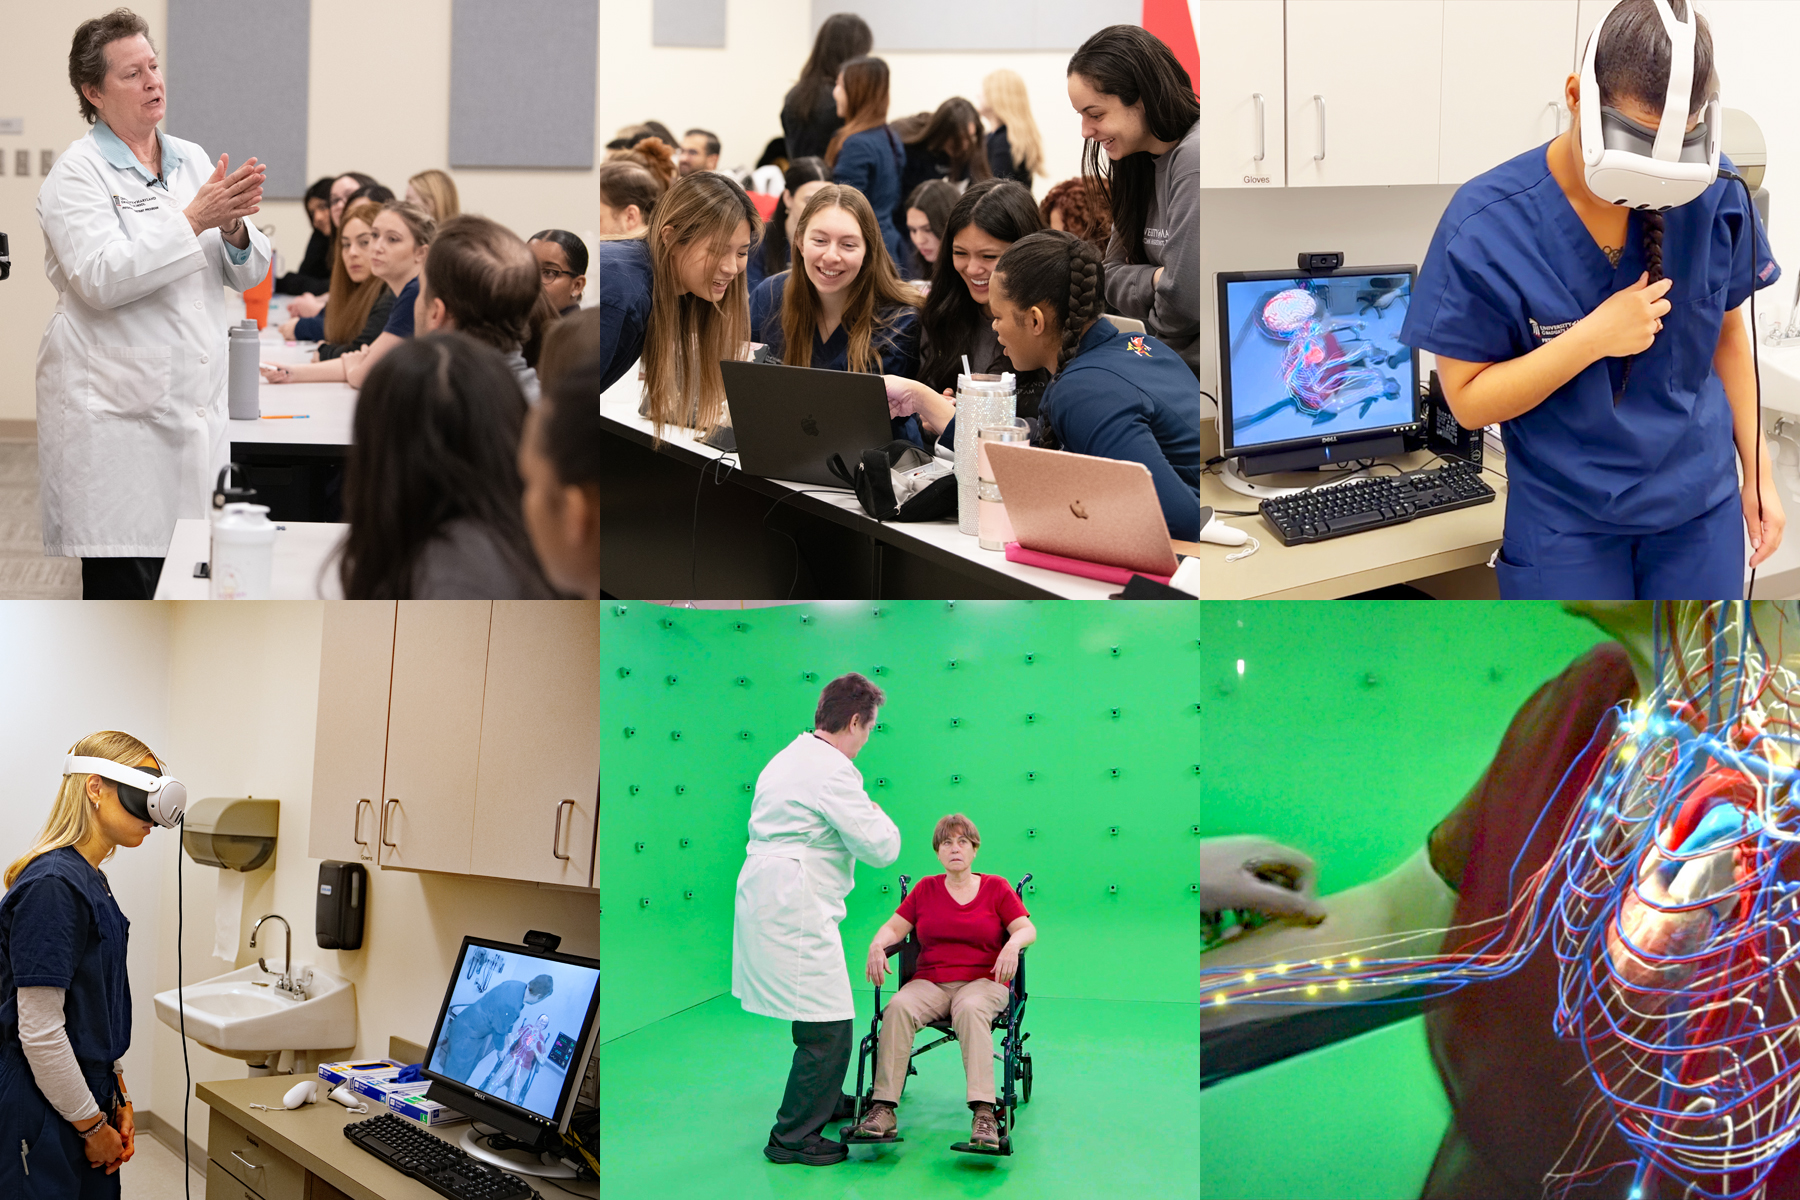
<point>384,823</point>
<point>1261,128</point>
<point>1556,111</point>
<point>356,827</point>
<point>246,1162</point>
<point>556,834</point>
<point>1320,101</point>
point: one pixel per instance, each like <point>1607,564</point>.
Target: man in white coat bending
<point>810,822</point>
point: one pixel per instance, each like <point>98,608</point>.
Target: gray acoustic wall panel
<point>522,83</point>
<point>983,28</point>
<point>237,72</point>
<point>688,23</point>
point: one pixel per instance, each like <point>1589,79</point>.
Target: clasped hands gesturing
<point>223,201</point>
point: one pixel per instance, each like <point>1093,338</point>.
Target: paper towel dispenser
<point>236,833</point>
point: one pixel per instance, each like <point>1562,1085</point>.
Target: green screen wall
<point>1069,733</point>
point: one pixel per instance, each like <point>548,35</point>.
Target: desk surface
<point>1347,565</point>
<point>301,549</point>
<point>941,541</point>
<point>313,1137</point>
<point>328,407</point>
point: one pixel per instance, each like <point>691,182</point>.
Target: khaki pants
<point>971,1007</point>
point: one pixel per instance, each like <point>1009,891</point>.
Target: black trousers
<point>120,578</point>
<point>815,1081</point>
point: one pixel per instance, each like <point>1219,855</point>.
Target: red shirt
<point>959,942</point>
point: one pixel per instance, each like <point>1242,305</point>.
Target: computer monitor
<point>1311,366</point>
<point>513,1038</point>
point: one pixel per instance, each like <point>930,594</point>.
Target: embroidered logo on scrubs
<point>142,204</point>
<point>1544,333</point>
<point>1137,346</point>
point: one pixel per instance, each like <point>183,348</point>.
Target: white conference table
<point>940,542</point>
<point>296,573</point>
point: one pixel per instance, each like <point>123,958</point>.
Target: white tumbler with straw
<point>980,400</point>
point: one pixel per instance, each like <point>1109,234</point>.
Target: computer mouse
<point>349,1099</point>
<point>304,1092</point>
<point>1218,532</point>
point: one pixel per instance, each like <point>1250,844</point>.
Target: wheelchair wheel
<point>1025,1075</point>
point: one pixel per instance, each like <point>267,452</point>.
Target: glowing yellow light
<point>1249,976</point>
<point>1312,989</point>
<point>1326,965</point>
<point>1219,999</point>
<point>1281,968</point>
<point>1343,985</point>
<point>1355,964</point>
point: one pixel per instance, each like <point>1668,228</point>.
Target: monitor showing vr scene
<point>1307,357</point>
<point>516,1027</point>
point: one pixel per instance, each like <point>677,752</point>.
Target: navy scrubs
<point>1605,501</point>
<point>871,162</point>
<point>1130,397</point>
<point>897,346</point>
<point>400,317</point>
<point>625,279</point>
<point>60,927</point>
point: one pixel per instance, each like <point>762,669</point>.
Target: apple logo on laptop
<point>809,427</point>
<point>1078,510</point>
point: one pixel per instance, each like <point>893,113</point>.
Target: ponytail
<point>1054,269</point>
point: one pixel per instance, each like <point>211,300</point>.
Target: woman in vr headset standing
<point>1585,296</point>
<point>65,1004</point>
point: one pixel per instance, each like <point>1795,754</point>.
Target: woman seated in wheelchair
<point>970,930</point>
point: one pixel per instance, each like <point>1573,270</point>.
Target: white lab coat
<point>131,371</point>
<point>809,823</point>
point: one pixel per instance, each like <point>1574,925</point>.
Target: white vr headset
<point>145,792</point>
<point>1631,165</point>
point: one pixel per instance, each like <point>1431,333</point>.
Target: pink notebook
<point>1075,566</point>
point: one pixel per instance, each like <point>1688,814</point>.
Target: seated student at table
<point>803,177</point>
<point>1141,118</point>
<point>1114,395</point>
<point>559,460</point>
<point>674,294</point>
<point>432,488</point>
<point>402,235</point>
<point>562,261</point>
<point>360,303</point>
<point>481,280</point>
<point>435,192</point>
<point>629,189</point>
<point>866,153</point>
<point>958,319</point>
<point>846,309</point>
<point>1079,206</point>
<point>314,274</point>
<point>343,187</point>
<point>944,144</point>
<point>927,209</point>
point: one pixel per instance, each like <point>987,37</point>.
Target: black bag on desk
<point>885,495</point>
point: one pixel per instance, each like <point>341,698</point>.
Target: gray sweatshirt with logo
<point>1170,309</point>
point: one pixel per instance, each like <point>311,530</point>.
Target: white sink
<point>242,1015</point>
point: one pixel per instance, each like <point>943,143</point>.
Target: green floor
<point>1357,1120</point>
<point>686,1105</point>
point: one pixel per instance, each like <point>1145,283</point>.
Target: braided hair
<point>1056,270</point>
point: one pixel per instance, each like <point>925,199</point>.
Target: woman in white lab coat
<point>140,232</point>
<point>809,823</point>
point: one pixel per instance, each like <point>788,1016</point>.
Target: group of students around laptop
<point>1005,292</point>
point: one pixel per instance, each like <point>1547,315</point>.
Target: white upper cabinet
<point>1505,62</point>
<point>1242,71</point>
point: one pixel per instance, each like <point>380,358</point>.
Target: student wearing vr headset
<point>65,1003</point>
<point>1585,295</point>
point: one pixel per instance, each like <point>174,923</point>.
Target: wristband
<point>91,1130</point>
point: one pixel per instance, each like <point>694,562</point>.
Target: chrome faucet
<point>286,984</point>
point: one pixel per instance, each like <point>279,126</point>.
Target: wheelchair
<point>1015,1060</point>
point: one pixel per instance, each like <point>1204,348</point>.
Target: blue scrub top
<point>310,329</point>
<point>1511,266</point>
<point>897,346</point>
<point>1130,397</point>
<point>625,279</point>
<point>60,927</point>
<point>400,317</point>
<point>870,162</point>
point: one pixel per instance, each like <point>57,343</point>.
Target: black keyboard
<point>1374,502</point>
<point>443,1168</point>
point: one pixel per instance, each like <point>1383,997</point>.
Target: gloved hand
<point>1235,873</point>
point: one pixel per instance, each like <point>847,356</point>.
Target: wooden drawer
<point>267,1172</point>
<point>222,1185</point>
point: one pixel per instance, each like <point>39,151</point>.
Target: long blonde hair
<point>874,295</point>
<point>1006,95</point>
<point>72,817</point>
<point>349,303</point>
<point>687,335</point>
<point>440,189</point>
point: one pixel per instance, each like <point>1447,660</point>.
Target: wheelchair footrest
<point>1004,1148</point>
